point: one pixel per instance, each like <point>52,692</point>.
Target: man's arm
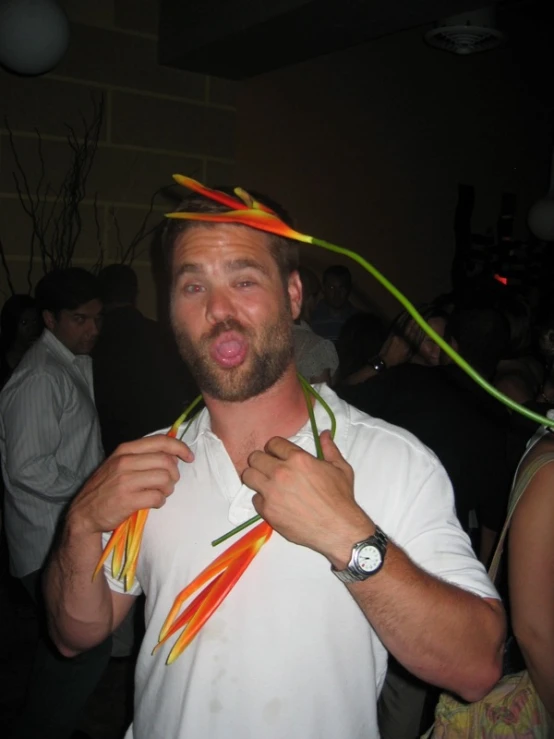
<point>139,475</point>
<point>441,633</point>
<point>32,419</point>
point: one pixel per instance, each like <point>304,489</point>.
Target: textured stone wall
<point>157,121</point>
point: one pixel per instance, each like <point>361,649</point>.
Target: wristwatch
<point>366,560</point>
<point>377,363</point>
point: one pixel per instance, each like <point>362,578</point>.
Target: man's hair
<point>340,271</point>
<point>284,251</point>
<point>118,284</point>
<point>66,289</point>
<point>483,337</point>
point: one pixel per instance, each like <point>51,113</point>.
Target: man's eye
<point>245,283</point>
<point>193,288</point>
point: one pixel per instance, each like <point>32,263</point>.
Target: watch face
<point>369,558</point>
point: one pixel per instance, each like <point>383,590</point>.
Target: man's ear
<point>49,319</point>
<point>295,294</point>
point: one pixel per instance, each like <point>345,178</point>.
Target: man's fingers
<point>159,479</point>
<point>157,443</point>
<point>264,463</point>
<point>330,450</point>
<point>254,479</point>
<point>281,448</point>
<point>146,499</point>
<point>142,462</point>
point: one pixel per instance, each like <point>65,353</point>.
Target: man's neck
<point>247,426</point>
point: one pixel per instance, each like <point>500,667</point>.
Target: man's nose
<point>93,328</point>
<point>220,305</point>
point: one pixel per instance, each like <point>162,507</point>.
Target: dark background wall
<point>366,147</point>
<point>157,121</point>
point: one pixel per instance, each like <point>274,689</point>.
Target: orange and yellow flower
<point>221,575</point>
<point>126,539</point>
<point>244,211</point>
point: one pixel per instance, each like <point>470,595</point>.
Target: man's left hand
<point>307,500</point>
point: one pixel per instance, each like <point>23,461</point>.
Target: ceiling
<point>243,38</point>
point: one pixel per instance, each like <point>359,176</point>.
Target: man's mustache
<point>231,324</point>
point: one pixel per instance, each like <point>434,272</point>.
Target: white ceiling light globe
<point>541,218</point>
<point>34,35</point>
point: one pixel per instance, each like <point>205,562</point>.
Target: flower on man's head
<point>244,210</point>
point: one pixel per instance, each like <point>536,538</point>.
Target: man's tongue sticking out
<point>229,349</point>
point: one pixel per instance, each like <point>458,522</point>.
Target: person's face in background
<point>28,327</point>
<point>77,329</point>
<point>335,291</point>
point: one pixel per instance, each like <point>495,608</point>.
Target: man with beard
<point>366,555</point>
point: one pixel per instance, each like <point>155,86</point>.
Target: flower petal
<point>134,541</point>
<point>257,219</point>
<point>225,583</point>
<point>187,614</point>
<point>117,535</point>
<point>217,195</point>
<point>250,203</point>
<point>254,539</point>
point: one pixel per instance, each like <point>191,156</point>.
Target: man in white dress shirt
<point>298,648</point>
<point>49,444</point>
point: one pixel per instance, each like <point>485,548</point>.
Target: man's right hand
<point>139,474</point>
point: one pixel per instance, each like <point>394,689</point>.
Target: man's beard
<point>268,358</point>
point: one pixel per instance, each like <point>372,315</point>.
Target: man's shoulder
<point>38,365</point>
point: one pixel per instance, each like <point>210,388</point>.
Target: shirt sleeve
<point>432,536</point>
<point>33,420</point>
<point>406,491</point>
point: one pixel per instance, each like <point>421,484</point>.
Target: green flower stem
<point>324,405</point>
<point>447,349</point>
<point>236,530</point>
<point>308,391</point>
<point>315,432</point>
<point>186,414</point>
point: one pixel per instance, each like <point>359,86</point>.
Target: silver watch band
<point>349,575</point>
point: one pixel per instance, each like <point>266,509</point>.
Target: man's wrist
<point>340,554</point>
<point>377,363</point>
<point>77,526</point>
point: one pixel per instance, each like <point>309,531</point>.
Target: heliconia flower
<point>222,197</point>
<point>126,539</point>
<point>217,195</point>
<point>256,215</point>
<point>222,575</point>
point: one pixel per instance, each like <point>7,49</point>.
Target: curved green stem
<point>313,424</point>
<point>322,402</point>
<point>236,530</point>
<point>447,349</point>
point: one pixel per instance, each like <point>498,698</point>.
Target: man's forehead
<point>90,308</point>
<point>232,232</point>
<point>200,244</point>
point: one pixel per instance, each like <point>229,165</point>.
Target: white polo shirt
<point>289,654</point>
